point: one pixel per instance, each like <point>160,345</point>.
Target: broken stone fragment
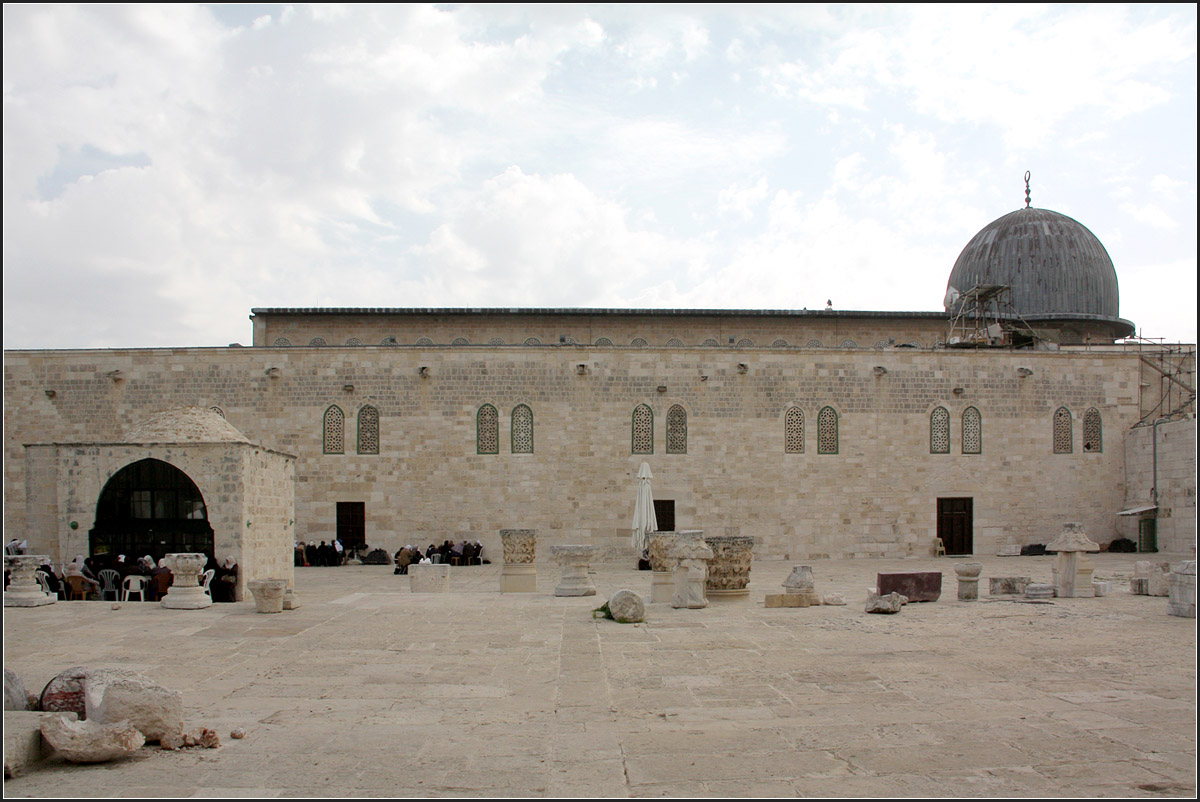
<point>888,603</point>
<point>626,607</point>
<point>108,695</point>
<point>15,697</point>
<point>91,741</point>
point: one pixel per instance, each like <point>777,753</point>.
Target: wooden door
<point>954,525</point>
<point>352,524</point>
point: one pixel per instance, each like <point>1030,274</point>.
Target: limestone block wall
<point>1176,513</point>
<point>877,495</point>
<point>687,329</point>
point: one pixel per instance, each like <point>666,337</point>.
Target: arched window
<point>496,341</point>
<point>1093,431</point>
<point>354,341</point>
<point>827,431</point>
<point>939,431</point>
<point>422,341</point>
<point>793,431</point>
<point>639,342</point>
<point>643,430</point>
<point>710,343</point>
<point>1062,431</point>
<point>745,344</point>
<point>813,344</point>
<point>334,431</point>
<point>151,507</point>
<point>849,344</point>
<point>972,431</point>
<point>522,429</point>
<point>780,344</point>
<point>368,430</point>
<point>677,430</point>
<point>487,430</point>
<point>674,342</point>
<point>317,341</point>
<point>533,341</point>
<point>604,341</point>
<point>461,341</point>
<point>217,411</point>
<point>281,342</point>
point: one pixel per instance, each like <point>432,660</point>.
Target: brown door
<point>954,525</point>
<point>664,514</point>
<point>352,524</point>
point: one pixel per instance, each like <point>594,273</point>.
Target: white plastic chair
<point>45,583</point>
<point>206,580</point>
<point>110,582</point>
<point>134,583</point>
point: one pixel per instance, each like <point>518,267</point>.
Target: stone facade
<point>874,494</point>
<point>1176,471</point>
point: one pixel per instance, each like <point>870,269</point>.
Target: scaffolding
<point>984,317</point>
<point>1168,378</point>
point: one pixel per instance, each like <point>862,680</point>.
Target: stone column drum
<point>519,574</point>
<point>574,561</point>
<point>23,588</point>
<point>691,555</point>
<point>268,594</point>
<point>729,569</point>
<point>661,584</point>
<point>185,592</point>
<point>968,580</point>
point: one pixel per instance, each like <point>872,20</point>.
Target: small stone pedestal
<point>662,585</point>
<point>290,602</point>
<point>800,584</point>
<point>968,580</point>
<point>429,577</point>
<point>519,574</point>
<point>729,569</point>
<point>1072,573</point>
<point>268,594</point>
<point>23,588</point>
<point>574,561</point>
<point>185,592</point>
<point>691,555</point>
<point>1181,597</point>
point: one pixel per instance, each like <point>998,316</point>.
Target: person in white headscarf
<point>77,568</point>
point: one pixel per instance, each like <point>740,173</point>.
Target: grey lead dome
<point>1056,267</point>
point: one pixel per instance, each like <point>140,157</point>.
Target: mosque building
<point>1021,406</point>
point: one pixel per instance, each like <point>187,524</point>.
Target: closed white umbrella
<point>643,511</point>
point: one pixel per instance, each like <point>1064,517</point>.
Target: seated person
<point>223,587</point>
<point>52,580</point>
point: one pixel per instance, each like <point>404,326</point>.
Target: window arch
<point>368,430</point>
<point>745,343</point>
<point>972,431</point>
<point>710,343</point>
<point>813,344</point>
<point>487,430</point>
<point>849,344</point>
<point>677,430</point>
<point>281,342</point>
<point>461,341</point>
<point>150,507</point>
<point>334,430</point>
<point>793,431</point>
<point>522,429</point>
<point>939,431</point>
<point>643,430</point>
<point>1093,431</point>
<point>780,344</point>
<point>532,341</point>
<point>1062,431</point>
<point>639,342</point>
<point>422,341</point>
<point>674,342</point>
<point>217,411</point>
<point>317,341</point>
<point>604,341</point>
<point>496,341</point>
<point>354,341</point>
<point>827,431</point>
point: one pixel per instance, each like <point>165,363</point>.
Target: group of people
<point>460,553</point>
<point>332,553</point>
<point>84,575</point>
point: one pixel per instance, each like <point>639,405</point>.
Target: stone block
<point>662,586</point>
<point>916,586</point>
<point>518,578</point>
<point>157,712</point>
<point>429,577</point>
<point>1011,550</point>
<point>1182,594</point>
<point>1101,587</point>
<point>885,602</point>
<point>626,607</point>
<point>1039,591</point>
<point>24,746</point>
<point>773,600</point>
<point>268,594</point>
<point>1008,585</point>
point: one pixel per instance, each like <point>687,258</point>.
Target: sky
<point>169,167</point>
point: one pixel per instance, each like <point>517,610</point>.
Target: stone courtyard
<point>371,690</point>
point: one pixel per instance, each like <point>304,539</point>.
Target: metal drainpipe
<point>1154,441</point>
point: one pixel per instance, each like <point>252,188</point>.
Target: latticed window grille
<point>354,341</point>
<point>461,341</point>
<point>317,341</point>
<point>368,430</point>
<point>604,341</point>
<point>710,343</point>
<point>281,342</point>
<point>639,342</point>
<point>522,430</point>
<point>676,430</point>
<point>643,430</point>
<point>780,344</point>
<point>745,344</point>
<point>334,431</point>
<point>217,410</point>
<point>849,344</point>
<point>793,431</point>
<point>813,344</point>
<point>496,341</point>
<point>939,431</point>
<point>972,431</point>
<point>487,430</point>
<point>1062,431</point>
<point>674,342</point>
<point>1093,431</point>
<point>827,431</point>
<point>422,341</point>
<point>533,341</point>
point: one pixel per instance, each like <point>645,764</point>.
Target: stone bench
<point>918,586</point>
